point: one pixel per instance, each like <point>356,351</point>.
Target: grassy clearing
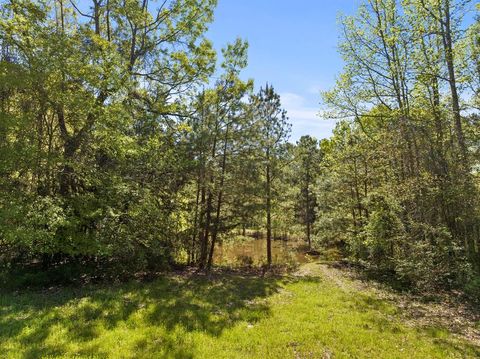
<point>228,316</point>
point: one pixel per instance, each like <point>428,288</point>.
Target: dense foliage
<point>400,183</point>
<point>124,139</point>
<point>121,140</point>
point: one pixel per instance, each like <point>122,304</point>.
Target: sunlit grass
<point>228,316</point>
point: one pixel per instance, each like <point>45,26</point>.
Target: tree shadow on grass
<point>386,320</point>
<point>212,306</point>
<point>82,316</point>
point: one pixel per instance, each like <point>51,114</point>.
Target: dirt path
<point>448,312</point>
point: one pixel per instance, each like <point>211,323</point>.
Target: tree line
<point>400,182</point>
<point>125,138</point>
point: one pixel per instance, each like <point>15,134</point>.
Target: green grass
<point>228,316</point>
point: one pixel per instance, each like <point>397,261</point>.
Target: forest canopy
<point>126,139</point>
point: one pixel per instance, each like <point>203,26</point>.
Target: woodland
<point>130,151</point>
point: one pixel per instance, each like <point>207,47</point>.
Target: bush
<point>430,259</point>
<point>31,226</point>
<point>472,288</point>
<point>383,232</point>
<point>245,261</point>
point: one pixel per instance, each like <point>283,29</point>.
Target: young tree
<point>221,128</point>
<point>273,130</point>
<point>307,158</point>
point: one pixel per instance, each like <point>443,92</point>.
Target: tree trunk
<point>202,220</point>
<point>308,216</point>
<point>269,214</point>
<point>96,16</point>
<point>219,201</point>
<point>195,224</point>
<point>206,232</point>
<point>208,219</point>
<point>452,81</point>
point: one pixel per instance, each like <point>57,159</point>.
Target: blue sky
<point>292,46</point>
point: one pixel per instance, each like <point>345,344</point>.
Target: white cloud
<point>297,108</point>
<point>305,119</point>
<point>303,113</point>
<point>315,90</point>
<point>292,100</point>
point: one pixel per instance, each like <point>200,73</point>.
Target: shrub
<point>472,288</point>
<point>384,230</point>
<point>430,259</point>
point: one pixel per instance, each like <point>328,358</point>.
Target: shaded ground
<point>318,312</point>
<point>448,310</point>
